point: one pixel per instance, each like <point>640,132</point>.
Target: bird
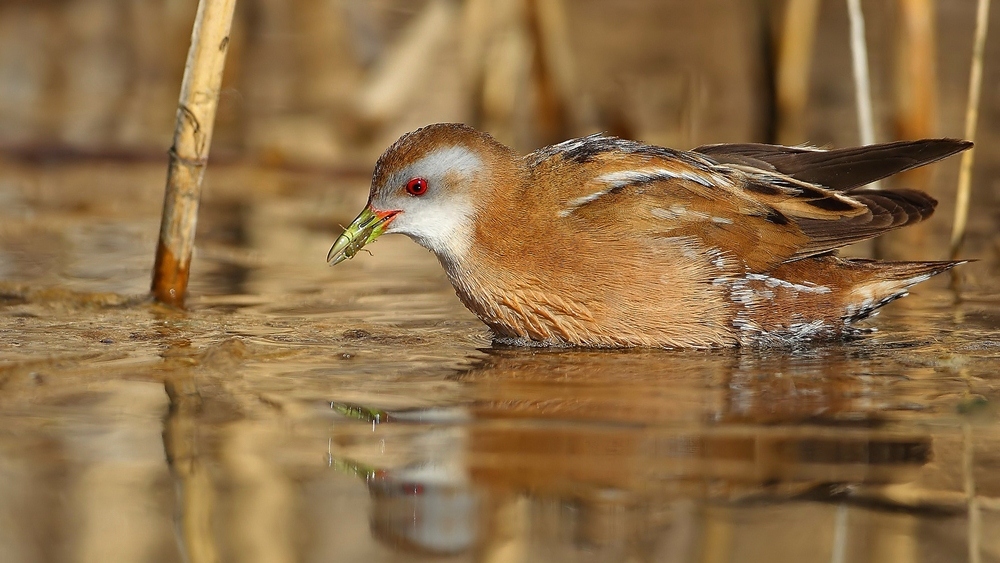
<point>606,242</point>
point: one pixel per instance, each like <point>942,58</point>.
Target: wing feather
<point>839,169</point>
<point>759,204</point>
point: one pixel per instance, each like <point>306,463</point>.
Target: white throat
<point>443,227</point>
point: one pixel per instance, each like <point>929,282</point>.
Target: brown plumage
<point>606,242</point>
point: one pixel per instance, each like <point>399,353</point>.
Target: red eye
<point>416,186</point>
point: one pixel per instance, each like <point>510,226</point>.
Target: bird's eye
<point>416,186</point>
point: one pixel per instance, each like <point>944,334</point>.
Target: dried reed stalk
<point>916,111</point>
<point>189,154</point>
<point>971,117</point>
<point>553,70</point>
<point>862,84</point>
<point>794,57</point>
<point>399,74</point>
<point>863,98</point>
<point>916,77</point>
<point>520,71</point>
<point>974,537</point>
<point>496,55</point>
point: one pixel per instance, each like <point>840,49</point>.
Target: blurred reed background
<point>328,84</point>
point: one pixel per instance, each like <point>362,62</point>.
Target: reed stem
<point>795,51</point>
<point>862,84</point>
<point>971,117</point>
<point>189,154</point>
<point>863,97</point>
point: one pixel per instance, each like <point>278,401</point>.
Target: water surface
<point>300,413</point>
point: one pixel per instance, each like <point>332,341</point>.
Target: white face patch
<point>441,219</point>
<point>444,226</point>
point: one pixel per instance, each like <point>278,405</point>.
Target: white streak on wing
<point>622,178</point>
<point>573,144</point>
<point>691,176</point>
<point>625,177</point>
<point>574,204</point>
<point>678,211</point>
<point>661,213</point>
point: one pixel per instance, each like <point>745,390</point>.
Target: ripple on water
<point>309,412</point>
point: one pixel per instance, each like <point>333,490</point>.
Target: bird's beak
<point>367,227</point>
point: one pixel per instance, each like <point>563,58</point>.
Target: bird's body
<point>600,241</point>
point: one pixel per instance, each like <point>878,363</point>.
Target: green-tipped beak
<point>366,228</point>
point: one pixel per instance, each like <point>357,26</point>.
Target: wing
<point>839,169</point>
<point>753,212</point>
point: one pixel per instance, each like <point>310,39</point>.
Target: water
<point>301,413</point>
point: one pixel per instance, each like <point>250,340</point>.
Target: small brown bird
<point>601,241</point>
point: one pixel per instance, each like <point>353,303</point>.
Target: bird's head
<point>429,185</point>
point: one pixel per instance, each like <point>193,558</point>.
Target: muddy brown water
<point>296,412</point>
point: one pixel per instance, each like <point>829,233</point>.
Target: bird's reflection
<point>606,431</point>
